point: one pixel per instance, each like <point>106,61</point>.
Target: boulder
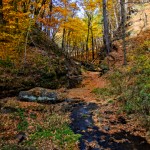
<point>42,95</point>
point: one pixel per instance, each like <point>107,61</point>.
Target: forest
<point>74,74</point>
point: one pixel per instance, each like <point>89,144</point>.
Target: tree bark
<point>116,18</point>
<point>92,39</point>
<point>88,33</point>
<point>51,8</point>
<point>106,28</point>
<point>63,39</point>
<point>2,21</point>
<point>123,16</point>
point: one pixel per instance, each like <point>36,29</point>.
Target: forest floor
<point>99,120</point>
<point>91,80</point>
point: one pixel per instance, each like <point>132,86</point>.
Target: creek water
<point>94,139</point>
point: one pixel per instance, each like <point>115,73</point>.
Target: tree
<point>123,16</point>
<point>88,32</point>
<point>106,27</point>
<point>2,21</point>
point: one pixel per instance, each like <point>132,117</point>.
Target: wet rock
<point>106,128</point>
<point>41,95</point>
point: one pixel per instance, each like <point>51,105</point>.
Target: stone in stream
<point>42,95</point>
<point>106,128</point>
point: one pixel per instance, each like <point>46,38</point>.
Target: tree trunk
<point>87,39</point>
<point>106,28</point>
<point>2,21</point>
<point>123,16</point>
<point>51,8</point>
<point>63,39</point>
<point>16,19</point>
<point>115,15</point>
<point>92,39</point>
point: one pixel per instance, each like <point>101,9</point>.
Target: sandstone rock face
<point>41,95</point>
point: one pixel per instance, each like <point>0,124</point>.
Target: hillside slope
<point>45,66</point>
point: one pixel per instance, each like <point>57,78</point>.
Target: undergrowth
<point>62,136</point>
<point>23,123</point>
<point>40,124</point>
<point>102,92</point>
<point>57,129</point>
<point>131,84</point>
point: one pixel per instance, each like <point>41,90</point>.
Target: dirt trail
<point>91,80</point>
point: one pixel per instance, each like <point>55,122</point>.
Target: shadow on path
<point>94,139</point>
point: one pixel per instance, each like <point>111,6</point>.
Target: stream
<point>94,139</point>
